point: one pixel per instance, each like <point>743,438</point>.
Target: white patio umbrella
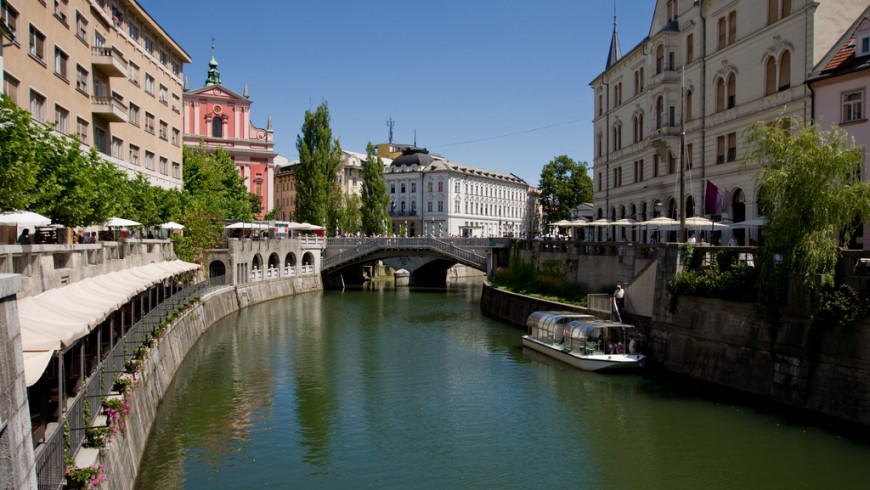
<point>171,225</point>
<point>624,222</point>
<point>247,226</point>
<point>661,221</point>
<point>579,223</point>
<point>23,218</point>
<point>701,222</point>
<point>561,222</point>
<point>601,222</point>
<point>750,223</point>
<point>121,223</point>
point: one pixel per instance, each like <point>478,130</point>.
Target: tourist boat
<point>584,341</point>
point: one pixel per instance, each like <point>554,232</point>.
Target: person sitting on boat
<point>632,346</point>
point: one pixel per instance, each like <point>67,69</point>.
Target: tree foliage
<point>812,193</point>
<point>22,145</point>
<point>375,200</point>
<point>213,182</point>
<point>317,201</point>
<point>564,184</point>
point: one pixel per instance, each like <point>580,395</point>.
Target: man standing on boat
<point>619,301</point>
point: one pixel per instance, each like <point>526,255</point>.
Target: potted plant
<point>87,477</point>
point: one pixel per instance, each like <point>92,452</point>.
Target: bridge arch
<point>274,261</point>
<point>307,259</point>
<point>257,262</point>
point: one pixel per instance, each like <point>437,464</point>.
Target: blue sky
<point>496,84</point>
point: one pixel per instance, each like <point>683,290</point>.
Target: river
<point>411,388</point>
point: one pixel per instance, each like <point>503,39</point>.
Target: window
<point>61,119</point>
<point>720,149</point>
<point>617,94</point>
<point>164,130</point>
<point>440,186</point>
<point>81,79</point>
<point>402,187</point>
<point>60,9</point>
<point>217,128</point>
<point>599,181</point>
<point>134,73</point>
<point>176,170</point>
<point>429,206</point>
<point>149,45</point>
<point>777,9</point>
<point>732,147</point>
<point>853,106</point>
<point>688,108</point>
<point>430,187</point>
<point>413,187</point>
<point>149,84</point>
<point>770,76</point>
<point>82,130</point>
<point>785,71</point>
<point>60,63</point>
<point>101,140</point>
<point>617,137</point>
<point>660,112</point>
<point>732,91</point>
<point>149,123</point>
<point>149,160</point>
<point>689,156</point>
<point>133,114</point>
<point>164,169</point>
<point>10,87</point>
<point>617,177</point>
<point>37,106</point>
<point>164,60</point>
<point>117,148</point>
<point>99,40</point>
<point>456,187</point>
<point>176,67</point>
<point>81,27</point>
<point>134,155</point>
<point>133,31</point>
<point>163,94</point>
<point>637,123</point>
<point>176,137</point>
<point>9,16</point>
<point>732,27</point>
<point>865,45</point>
<point>690,48</point>
<point>638,170</point>
<point>720,95</point>
<point>176,101</point>
<point>672,163</point>
<point>392,188</point>
<point>37,44</point>
<point>660,59</point>
<point>456,206</point>
<point>440,206</point>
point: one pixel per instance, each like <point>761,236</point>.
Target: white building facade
<point>432,196</point>
<point>707,69</point>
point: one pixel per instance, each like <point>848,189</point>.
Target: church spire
<point>615,53</point>
<point>214,75</point>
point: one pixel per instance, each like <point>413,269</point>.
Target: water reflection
<point>398,388</point>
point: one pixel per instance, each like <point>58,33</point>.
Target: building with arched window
<point>716,67</point>
<point>215,116</point>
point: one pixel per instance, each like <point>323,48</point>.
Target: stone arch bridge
<point>426,258</point>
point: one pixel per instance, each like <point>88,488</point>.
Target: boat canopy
<point>549,324</point>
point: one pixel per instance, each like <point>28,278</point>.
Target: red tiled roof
<point>843,57</point>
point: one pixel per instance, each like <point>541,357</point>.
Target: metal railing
<point>50,464</point>
<point>367,246</point>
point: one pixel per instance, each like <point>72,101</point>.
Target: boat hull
<point>594,362</point>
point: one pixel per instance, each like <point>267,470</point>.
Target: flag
<point>716,200</point>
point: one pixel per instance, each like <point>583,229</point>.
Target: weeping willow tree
<point>812,194</point>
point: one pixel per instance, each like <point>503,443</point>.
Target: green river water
<point>410,388</point>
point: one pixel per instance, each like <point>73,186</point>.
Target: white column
<point>270,187</point>
<point>196,118</point>
<point>236,116</point>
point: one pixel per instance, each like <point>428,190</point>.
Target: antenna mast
<point>391,124</point>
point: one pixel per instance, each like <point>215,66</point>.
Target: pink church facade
<point>218,117</point>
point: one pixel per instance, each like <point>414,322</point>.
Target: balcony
<point>110,61</point>
<point>109,108</point>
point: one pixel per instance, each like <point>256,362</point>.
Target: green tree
<point>375,204</point>
<point>564,184</point>
<point>22,146</point>
<point>317,197</point>
<point>812,193</point>
<point>212,180</point>
<point>351,215</point>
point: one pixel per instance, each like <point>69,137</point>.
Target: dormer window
<point>865,45</point>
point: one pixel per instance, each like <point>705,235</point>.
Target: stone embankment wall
<point>123,454</point>
<point>729,344</point>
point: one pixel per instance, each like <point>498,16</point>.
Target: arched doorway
<point>738,213</point>
<point>217,269</point>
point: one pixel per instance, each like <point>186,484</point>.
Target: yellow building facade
<point>104,71</point>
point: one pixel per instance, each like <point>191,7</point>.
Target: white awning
<point>57,318</point>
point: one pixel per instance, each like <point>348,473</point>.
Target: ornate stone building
<point>215,116</point>
<point>706,70</point>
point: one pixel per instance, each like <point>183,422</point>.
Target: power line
<point>525,131</point>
